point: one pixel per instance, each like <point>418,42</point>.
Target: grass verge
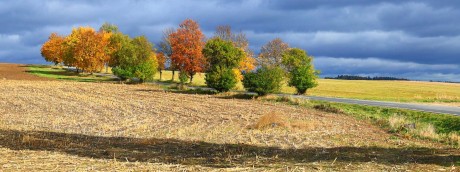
<point>409,123</point>
<point>62,74</point>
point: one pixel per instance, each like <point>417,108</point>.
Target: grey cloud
<point>421,32</point>
<point>389,45</point>
<point>331,66</point>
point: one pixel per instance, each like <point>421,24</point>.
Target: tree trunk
<point>173,71</point>
<point>106,68</point>
<point>191,78</point>
<point>161,72</point>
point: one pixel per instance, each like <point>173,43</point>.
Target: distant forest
<point>354,77</point>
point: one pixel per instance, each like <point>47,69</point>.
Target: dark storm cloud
<point>311,4</point>
<point>355,34</point>
<point>379,67</point>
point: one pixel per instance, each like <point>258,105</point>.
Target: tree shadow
<point>151,90</point>
<point>212,154</point>
<point>237,96</point>
<point>59,73</point>
<point>72,76</point>
<point>194,91</point>
<point>31,65</point>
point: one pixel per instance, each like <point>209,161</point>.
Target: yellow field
<point>401,91</point>
<point>404,91</point>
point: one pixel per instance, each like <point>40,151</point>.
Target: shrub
<point>143,71</point>
<point>146,70</point>
<point>122,73</point>
<point>303,78</point>
<point>264,80</point>
<point>327,108</point>
<point>183,77</point>
<point>221,79</point>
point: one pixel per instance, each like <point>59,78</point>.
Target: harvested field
<point>53,125</point>
<point>17,72</point>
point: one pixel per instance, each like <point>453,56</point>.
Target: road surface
<point>412,106</point>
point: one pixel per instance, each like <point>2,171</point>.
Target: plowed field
<point>17,72</point>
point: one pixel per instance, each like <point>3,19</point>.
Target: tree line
<point>355,77</point>
<point>225,57</point>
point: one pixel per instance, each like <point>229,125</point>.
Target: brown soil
<point>17,72</point>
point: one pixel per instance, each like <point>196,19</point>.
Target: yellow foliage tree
<point>248,63</point>
<point>87,49</point>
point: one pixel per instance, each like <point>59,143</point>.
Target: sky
<point>417,39</point>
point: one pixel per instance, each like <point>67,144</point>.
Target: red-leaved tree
<point>187,43</point>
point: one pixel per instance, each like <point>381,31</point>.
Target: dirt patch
<point>17,72</point>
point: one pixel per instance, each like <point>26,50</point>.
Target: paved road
<point>419,107</point>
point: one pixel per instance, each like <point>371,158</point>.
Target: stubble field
<point>56,125</point>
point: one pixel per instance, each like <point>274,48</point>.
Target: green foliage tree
<point>222,56</point>
<point>121,48</point>
<point>303,78</point>
<point>146,70</point>
<point>135,59</point>
<point>294,58</point>
<point>302,74</point>
<point>221,79</point>
<point>264,81</point>
<point>112,29</point>
<point>108,27</point>
<point>183,78</point>
<point>220,53</point>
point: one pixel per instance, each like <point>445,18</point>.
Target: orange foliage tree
<point>87,49</point>
<point>187,43</point>
<point>53,49</point>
